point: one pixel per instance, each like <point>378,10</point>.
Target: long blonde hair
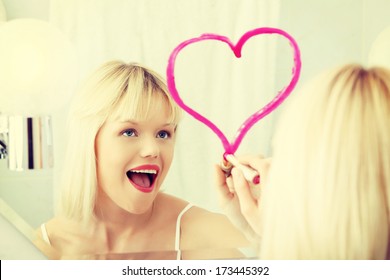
<point>114,91</point>
<point>328,191</point>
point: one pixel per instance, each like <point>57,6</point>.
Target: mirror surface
<point>328,33</point>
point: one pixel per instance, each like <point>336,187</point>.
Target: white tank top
<point>46,238</point>
<point>178,230</point>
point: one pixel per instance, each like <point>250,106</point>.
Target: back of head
<point>328,191</point>
<point>115,91</point>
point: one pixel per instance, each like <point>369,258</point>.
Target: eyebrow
<point>137,123</point>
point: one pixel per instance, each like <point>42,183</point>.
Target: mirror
<point>327,32</point>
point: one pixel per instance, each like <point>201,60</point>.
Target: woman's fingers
<point>259,163</point>
<point>230,184</point>
<point>235,191</point>
<point>221,183</point>
<point>247,202</point>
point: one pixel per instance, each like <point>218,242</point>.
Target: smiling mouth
<point>142,179</point>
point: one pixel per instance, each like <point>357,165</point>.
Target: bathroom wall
<point>333,32</point>
<point>38,9</point>
<point>30,193</point>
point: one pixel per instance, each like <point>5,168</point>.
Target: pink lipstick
<point>143,177</point>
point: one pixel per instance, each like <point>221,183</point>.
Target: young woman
<point>327,193</point>
<point>122,130</point>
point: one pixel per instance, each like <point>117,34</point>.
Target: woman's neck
<point>114,226</point>
<point>116,218</point>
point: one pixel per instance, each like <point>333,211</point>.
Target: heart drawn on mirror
<point>231,147</point>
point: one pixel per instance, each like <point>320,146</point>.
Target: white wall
<point>332,32</point>
<point>27,9</point>
<point>30,193</point>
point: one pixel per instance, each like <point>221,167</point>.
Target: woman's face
<point>133,158</point>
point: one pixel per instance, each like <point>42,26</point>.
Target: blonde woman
<point>122,130</point>
<point>327,192</point>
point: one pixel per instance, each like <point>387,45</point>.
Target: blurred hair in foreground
<point>328,190</point>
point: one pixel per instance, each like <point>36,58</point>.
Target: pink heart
<point>231,147</point>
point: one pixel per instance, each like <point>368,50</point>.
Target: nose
<point>149,148</point>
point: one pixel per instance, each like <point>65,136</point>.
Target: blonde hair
<point>328,190</point>
<point>115,91</point>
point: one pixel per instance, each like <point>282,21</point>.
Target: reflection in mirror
<point>122,133</point>
<point>19,241</point>
<point>17,236</point>
<point>210,254</point>
<point>26,142</point>
<point>99,36</point>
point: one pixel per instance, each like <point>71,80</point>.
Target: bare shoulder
<point>59,225</point>
<point>205,229</point>
<point>65,236</point>
<point>204,234</point>
<point>57,231</point>
<point>51,227</point>
<point>58,228</point>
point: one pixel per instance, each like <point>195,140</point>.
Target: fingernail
<point>256,180</point>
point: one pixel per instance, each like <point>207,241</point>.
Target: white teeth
<point>151,171</point>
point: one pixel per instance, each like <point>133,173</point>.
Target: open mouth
<point>143,179</point>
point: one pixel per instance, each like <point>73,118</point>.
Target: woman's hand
<point>239,199</point>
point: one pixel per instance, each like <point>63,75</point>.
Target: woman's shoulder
<point>59,232</point>
<point>51,235</point>
<point>58,225</point>
<point>195,219</point>
<point>206,229</point>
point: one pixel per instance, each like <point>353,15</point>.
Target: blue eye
<point>129,133</point>
<point>163,134</point>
